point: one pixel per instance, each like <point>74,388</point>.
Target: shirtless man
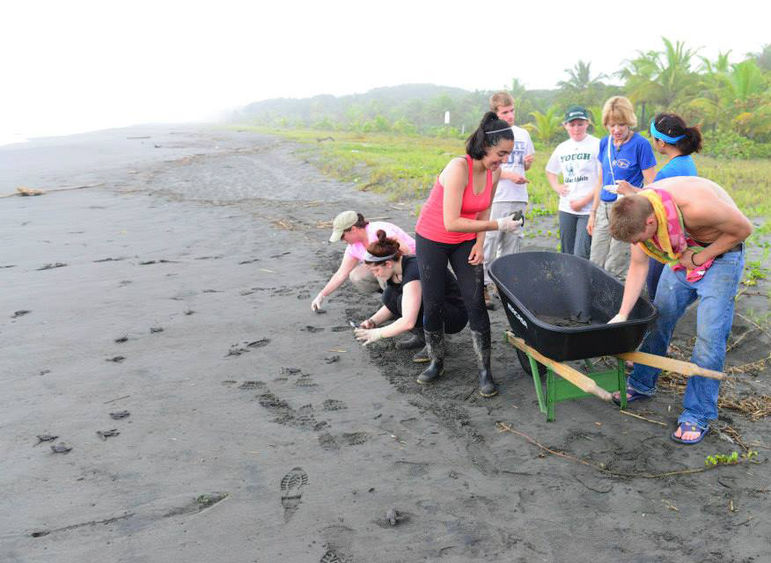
<point>708,266</point>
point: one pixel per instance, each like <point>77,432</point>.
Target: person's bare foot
<point>631,396</point>
<point>689,433</point>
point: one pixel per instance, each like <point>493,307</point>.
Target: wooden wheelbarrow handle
<point>584,383</point>
<point>676,366</point>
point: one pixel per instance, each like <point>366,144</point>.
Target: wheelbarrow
<point>558,306</point>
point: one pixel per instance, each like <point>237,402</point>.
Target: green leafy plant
<point>755,270</point>
<point>731,459</point>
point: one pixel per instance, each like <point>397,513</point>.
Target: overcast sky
<point>80,65</point>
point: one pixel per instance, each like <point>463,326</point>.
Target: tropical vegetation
<point>731,101</point>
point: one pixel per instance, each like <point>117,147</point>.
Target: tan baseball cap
<point>343,221</point>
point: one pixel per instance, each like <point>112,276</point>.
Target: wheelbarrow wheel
<point>524,361</point>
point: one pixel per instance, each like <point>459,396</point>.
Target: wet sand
<point>179,290</point>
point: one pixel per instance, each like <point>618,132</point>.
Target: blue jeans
<point>652,280</point>
<point>714,317</point>
<point>573,236</point>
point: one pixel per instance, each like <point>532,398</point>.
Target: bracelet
<point>693,262</point>
<point>372,321</point>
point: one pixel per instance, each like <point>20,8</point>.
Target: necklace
<point>621,142</point>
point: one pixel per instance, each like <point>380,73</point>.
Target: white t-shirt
<point>523,145</point>
<point>579,165</point>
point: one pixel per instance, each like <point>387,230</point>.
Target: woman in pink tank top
<point>450,230</point>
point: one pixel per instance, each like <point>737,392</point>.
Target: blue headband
<point>666,138</point>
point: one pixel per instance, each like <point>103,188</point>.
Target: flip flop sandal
<point>689,427</point>
<point>634,395</point>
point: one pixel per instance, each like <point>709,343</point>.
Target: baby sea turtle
<point>119,414</point>
<point>60,448</point>
<point>45,438</point>
<point>104,434</point>
<point>392,516</point>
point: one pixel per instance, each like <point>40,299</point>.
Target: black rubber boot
<point>417,340</point>
<point>481,341</point>
<point>435,348</point>
<point>422,357</point>
<point>489,304</point>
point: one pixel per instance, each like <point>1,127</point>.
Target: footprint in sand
<point>237,349</point>
<point>330,557</point>
<point>333,405</point>
<point>354,438</point>
<point>252,385</point>
<point>330,442</point>
<point>291,491</point>
<point>52,266</point>
<point>305,380</point>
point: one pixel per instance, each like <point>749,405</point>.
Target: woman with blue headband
<point>673,138</point>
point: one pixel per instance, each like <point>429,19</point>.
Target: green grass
<point>747,181</point>
<point>404,168</point>
<point>400,167</point>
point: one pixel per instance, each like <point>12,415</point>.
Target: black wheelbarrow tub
<point>552,285</point>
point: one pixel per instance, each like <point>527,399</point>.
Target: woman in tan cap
<point>351,228</point>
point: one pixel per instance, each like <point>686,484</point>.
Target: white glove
<point>368,336</point>
<point>316,303</point>
<point>617,319</point>
<point>510,223</point>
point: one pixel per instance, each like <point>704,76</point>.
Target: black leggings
<point>433,258</point>
<point>455,317</point>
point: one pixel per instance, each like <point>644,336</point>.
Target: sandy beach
<point>156,319</point>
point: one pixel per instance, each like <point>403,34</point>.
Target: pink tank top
<point>430,223</point>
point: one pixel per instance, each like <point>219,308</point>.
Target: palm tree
<point>518,89</point>
<point>734,96</point>
<point>545,126</point>
<point>662,79</point>
<point>581,87</point>
<point>707,106</point>
<point>746,80</point>
<point>580,78</point>
<point>763,58</point>
<point>639,79</point>
<point>720,65</point>
<point>749,100</point>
